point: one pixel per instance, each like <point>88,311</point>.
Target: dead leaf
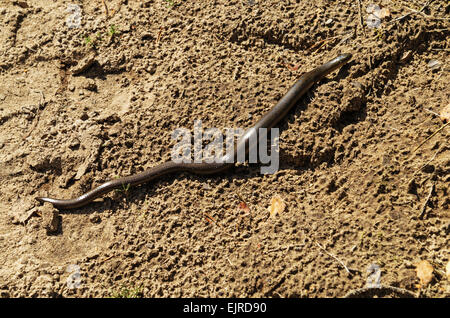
<point>445,113</point>
<point>277,206</point>
<point>292,68</point>
<point>424,272</point>
<point>244,207</point>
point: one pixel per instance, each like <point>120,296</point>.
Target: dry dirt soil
<point>82,105</point>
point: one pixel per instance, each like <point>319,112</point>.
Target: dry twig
<point>333,256</point>
<point>424,208</point>
<point>361,22</point>
<point>432,135</point>
<point>413,11</point>
<point>380,291</point>
<point>106,8</point>
<point>36,120</point>
<point>428,162</point>
<point>228,259</point>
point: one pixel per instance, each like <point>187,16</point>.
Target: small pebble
<point>50,218</point>
<point>90,85</point>
<point>434,64</point>
<point>408,264</point>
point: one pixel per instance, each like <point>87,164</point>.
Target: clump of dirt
<point>87,96</point>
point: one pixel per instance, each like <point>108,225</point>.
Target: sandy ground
<point>83,105</point>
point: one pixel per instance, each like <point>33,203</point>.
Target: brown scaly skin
<point>278,112</point>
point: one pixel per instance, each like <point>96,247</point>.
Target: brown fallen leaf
<point>292,68</point>
<point>277,206</point>
<point>445,114</point>
<point>244,207</point>
<point>424,272</point>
